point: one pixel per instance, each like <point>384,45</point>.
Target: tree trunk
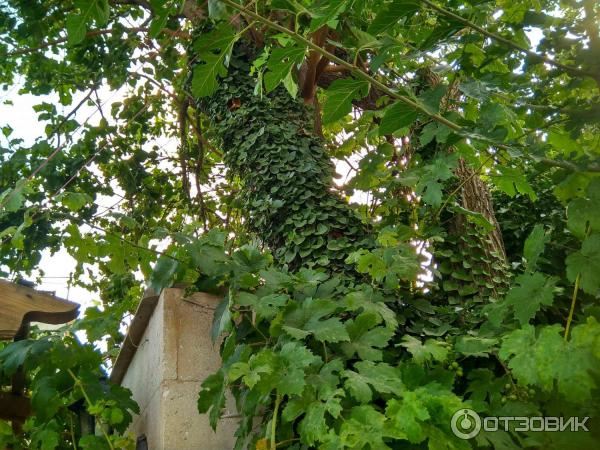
<point>286,176</point>
<point>473,262</point>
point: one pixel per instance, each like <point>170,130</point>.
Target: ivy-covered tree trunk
<point>270,145</point>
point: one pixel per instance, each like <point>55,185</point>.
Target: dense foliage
<point>456,266</point>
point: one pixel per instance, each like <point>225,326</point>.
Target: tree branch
<point>92,33</point>
<point>570,69</point>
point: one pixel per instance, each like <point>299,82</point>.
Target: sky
<point>22,118</point>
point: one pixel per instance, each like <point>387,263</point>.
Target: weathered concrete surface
<point>173,357</point>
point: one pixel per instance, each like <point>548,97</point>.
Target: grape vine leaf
<point>534,246</point>
<point>584,213</point>
<point>431,350</point>
<point>529,293</point>
<point>585,263</point>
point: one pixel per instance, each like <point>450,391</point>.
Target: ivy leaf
<point>340,95</point>
<point>529,293</point>
<point>474,217</point>
<point>431,350</point>
<point>213,50</point>
<point>396,116</point>
<point>586,264</point>
<point>534,246</point>
<point>391,15</point>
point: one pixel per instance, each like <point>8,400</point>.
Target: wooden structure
<point>20,305</point>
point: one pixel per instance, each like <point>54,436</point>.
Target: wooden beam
<point>20,305</point>
<point>134,335</point>
<point>14,407</point>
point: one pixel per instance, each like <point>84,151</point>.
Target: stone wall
<point>172,358</point>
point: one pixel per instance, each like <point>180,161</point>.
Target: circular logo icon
<point>465,423</point>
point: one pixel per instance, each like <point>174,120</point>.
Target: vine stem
<point>575,291</point>
<point>572,309</point>
<point>274,422</point>
<point>89,403</point>
<point>72,432</point>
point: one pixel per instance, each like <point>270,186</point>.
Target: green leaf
<point>280,63</point>
<point>221,319</point>
<point>396,116</point>
<point>366,339</point>
<point>431,350</point>
<point>585,263</point>
<point>339,98</point>
<point>364,429</point>
<point>510,180</point>
<point>474,346</point>
<point>74,200</point>
<point>534,246</point>
<point>213,50</point>
<point>391,15</point>
<point>89,10</point>
<point>529,293</point>
<point>583,214</point>
<point>76,28</point>
<point>382,377</point>
<point>548,362</point>
<point>12,199</point>
<point>329,330</point>
<point>212,397</point>
<point>408,415</point>
<point>475,217</point>
<point>217,10</point>
<point>162,275</point>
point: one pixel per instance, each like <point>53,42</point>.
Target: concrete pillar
<point>170,359</point>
